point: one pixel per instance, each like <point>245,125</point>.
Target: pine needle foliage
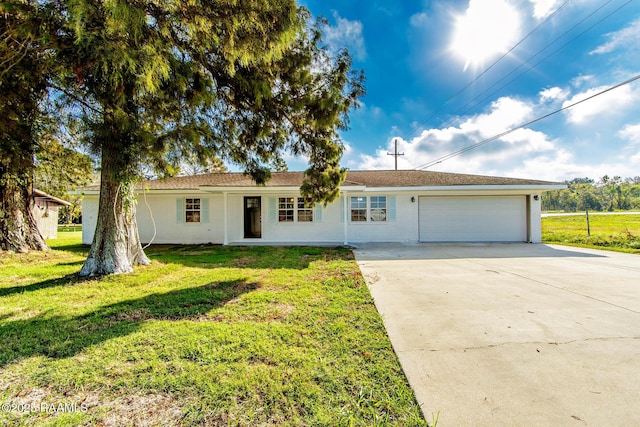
<point>152,81</point>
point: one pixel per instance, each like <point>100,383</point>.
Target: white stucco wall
<point>535,224</point>
<point>89,217</point>
<point>401,226</point>
<point>161,210</point>
<point>322,229</point>
<point>328,225</point>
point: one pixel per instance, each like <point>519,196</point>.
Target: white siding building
<point>374,206</point>
<point>45,212</point>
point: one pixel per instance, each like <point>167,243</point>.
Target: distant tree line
<point>607,194</point>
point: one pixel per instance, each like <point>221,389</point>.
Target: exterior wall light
<point>413,199</point>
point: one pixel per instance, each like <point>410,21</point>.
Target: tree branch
<point>76,98</point>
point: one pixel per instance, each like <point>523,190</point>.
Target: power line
<point>426,165</point>
<point>460,91</point>
<point>474,101</point>
<point>509,51</point>
<point>507,132</point>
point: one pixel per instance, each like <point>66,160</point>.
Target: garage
<point>473,219</point>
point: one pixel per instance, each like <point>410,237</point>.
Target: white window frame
<point>295,205</point>
<point>190,204</point>
<point>302,206</point>
<point>378,212</point>
<point>362,216</point>
<point>286,209</point>
<point>374,210</point>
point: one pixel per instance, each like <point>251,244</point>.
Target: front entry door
<point>252,218</point>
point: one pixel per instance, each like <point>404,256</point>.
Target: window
<point>305,213</point>
<point>373,211</point>
<point>192,210</point>
<point>378,208</point>
<point>359,209</point>
<point>292,209</point>
<point>285,209</point>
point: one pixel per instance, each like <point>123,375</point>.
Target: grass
<point>69,227</point>
<point>612,232</point>
<point>206,335</point>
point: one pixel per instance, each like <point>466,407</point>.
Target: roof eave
<point>474,187</point>
<point>350,188</point>
<point>42,195</point>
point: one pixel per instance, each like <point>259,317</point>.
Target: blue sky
<point>429,87</point>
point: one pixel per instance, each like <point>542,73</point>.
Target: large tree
<point>26,64</point>
<point>245,80</point>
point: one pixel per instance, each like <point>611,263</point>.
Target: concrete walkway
<point>512,334</point>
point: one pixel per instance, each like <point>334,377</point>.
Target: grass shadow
<point>64,336</point>
<point>68,280</point>
<point>74,248</point>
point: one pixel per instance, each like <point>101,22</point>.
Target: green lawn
<point>612,232</point>
<point>206,335</point>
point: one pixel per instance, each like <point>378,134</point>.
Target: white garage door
<point>473,219</point>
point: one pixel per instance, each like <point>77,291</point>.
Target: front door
<point>252,218</point>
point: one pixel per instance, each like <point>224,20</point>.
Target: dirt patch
<point>279,311</point>
<point>136,315</point>
<point>242,262</point>
<point>140,410</point>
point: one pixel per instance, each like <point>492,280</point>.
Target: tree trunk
<point>18,229</point>
<point>116,246</point>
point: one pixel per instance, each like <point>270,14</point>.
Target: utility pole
<point>395,154</point>
<point>586,210</point>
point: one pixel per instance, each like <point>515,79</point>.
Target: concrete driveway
<point>512,334</point>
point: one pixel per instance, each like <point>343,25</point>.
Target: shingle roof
<point>416,178</point>
<point>374,178</point>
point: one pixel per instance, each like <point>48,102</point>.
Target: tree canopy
<point>27,66</point>
<point>245,82</point>
<point>606,194</point>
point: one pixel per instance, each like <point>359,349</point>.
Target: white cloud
<point>631,133</point>
<point>581,80</point>
<point>543,8</point>
<point>418,20</point>
<point>603,105</point>
<point>506,113</point>
<point>553,94</point>
<point>346,34</point>
<point>561,165</point>
<point>492,158</point>
<point>628,39</point>
<point>524,153</point>
<point>631,152</point>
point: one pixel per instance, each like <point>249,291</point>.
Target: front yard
<point>615,232</point>
<point>206,335</point>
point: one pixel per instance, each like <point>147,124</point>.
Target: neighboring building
<point>374,206</point>
<point>45,212</point>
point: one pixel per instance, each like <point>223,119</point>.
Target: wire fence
<point>70,227</point>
